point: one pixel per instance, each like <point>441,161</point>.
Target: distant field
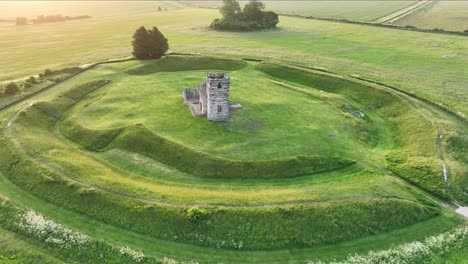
<point>30,9</point>
<point>448,15</point>
<point>364,11</point>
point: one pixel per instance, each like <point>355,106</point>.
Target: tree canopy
<point>251,17</point>
<point>12,89</point>
<point>149,44</point>
<point>230,8</point>
<point>253,9</point>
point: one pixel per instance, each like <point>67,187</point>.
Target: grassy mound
<point>185,63</point>
<point>241,228</point>
<point>140,139</point>
<point>414,156</point>
<point>227,227</point>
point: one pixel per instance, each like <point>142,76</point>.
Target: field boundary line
<point>402,12</point>
<point>388,26</point>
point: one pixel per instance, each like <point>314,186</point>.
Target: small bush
<point>32,80</point>
<point>195,214</point>
<point>47,72</point>
<point>27,85</point>
<point>12,89</point>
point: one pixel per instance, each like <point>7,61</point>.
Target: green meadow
<point>66,139</point>
<point>429,65</point>
<point>325,160</point>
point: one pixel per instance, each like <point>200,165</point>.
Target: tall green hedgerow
<point>12,89</point>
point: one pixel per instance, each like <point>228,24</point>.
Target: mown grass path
<point>401,13</point>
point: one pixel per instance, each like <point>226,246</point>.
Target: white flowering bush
<point>51,232</point>
<point>136,255</point>
<point>413,252</point>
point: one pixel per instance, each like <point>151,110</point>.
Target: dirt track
<point>401,13</point>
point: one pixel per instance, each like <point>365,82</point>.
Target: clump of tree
<point>251,17</point>
<point>47,19</point>
<point>21,21</point>
<point>12,89</point>
<point>55,18</point>
<point>149,44</point>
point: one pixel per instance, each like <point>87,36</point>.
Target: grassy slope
<point>70,158</point>
<point>159,248</point>
<point>415,155</point>
<point>430,65</point>
<point>13,249</point>
<point>448,15</point>
<point>270,127</point>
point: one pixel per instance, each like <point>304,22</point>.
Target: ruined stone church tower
<point>211,98</point>
<point>217,89</point>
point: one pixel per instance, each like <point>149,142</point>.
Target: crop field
<point>32,9</point>
<point>363,11</point>
<point>351,140</point>
<point>448,15</point>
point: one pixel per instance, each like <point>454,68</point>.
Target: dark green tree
<point>47,72</point>
<point>230,8</point>
<point>32,80</point>
<point>158,43</point>
<point>253,9</point>
<point>149,44</point>
<point>141,43</point>
<point>12,89</point>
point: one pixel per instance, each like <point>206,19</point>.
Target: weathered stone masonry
<point>210,98</point>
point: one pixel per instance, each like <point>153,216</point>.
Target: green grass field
<point>429,65</point>
<point>34,146</point>
<point>448,15</point>
<point>317,166</point>
<point>364,11</point>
